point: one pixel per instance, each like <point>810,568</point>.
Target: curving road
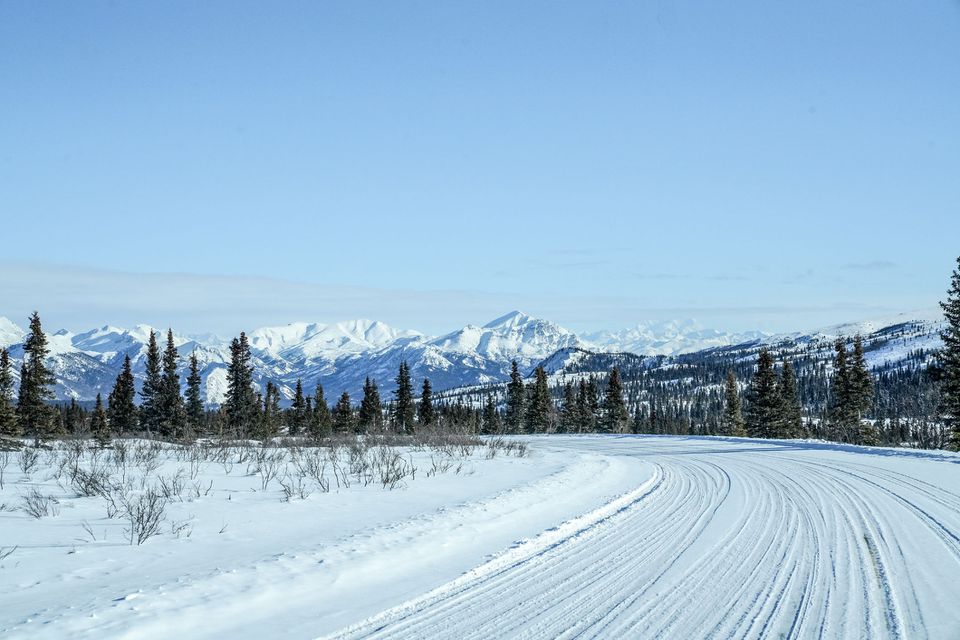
<point>726,539</point>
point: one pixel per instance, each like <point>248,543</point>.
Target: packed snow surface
<point>589,536</point>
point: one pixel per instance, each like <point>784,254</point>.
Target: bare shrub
<point>312,463</point>
<point>28,458</point>
<point>268,464</point>
<point>4,461</point>
<point>294,487</point>
<point>38,505</point>
<point>93,482</point>
<point>172,487</point>
<point>197,490</point>
<point>181,529</point>
<point>6,552</point>
<point>145,513</point>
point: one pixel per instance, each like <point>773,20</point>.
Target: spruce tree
<point>151,393</point>
<point>172,415</point>
<point>861,395</point>
<point>639,422</point>
<point>763,409</point>
<point>568,410</point>
<point>583,412</point>
<point>403,407</point>
<point>194,399</point>
<point>370,416</point>
<point>515,400</point>
<point>271,417</point>
<point>492,424</point>
<point>8,411</point>
<point>121,403</point>
<point>614,414</point>
<point>298,411</point>
<point>425,409</point>
<point>74,419</point>
<point>539,417</point>
<point>241,402</point>
<point>791,413</point>
<point>36,380</point>
<point>343,417</point>
<point>98,424</point>
<point>733,423</point>
<point>949,361</point>
<point>588,405</point>
<point>843,418</point>
<point>322,424</point>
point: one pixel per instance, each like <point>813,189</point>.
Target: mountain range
<point>341,355</point>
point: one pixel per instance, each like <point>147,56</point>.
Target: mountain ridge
<point>341,355</point>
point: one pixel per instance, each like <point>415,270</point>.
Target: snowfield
<point>588,536</point>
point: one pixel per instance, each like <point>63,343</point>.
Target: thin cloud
<point>875,265</point>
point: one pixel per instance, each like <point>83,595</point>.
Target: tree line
<point>772,404</point>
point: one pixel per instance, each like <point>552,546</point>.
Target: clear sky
<point>752,164</point>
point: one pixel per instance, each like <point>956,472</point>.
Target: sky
<point>219,166</point>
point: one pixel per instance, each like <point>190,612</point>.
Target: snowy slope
<point>591,536</point>
<point>10,333</point>
<point>729,539</point>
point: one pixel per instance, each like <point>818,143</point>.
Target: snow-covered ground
<point>633,536</point>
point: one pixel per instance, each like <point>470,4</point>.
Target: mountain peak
<point>10,333</point>
<point>513,319</point>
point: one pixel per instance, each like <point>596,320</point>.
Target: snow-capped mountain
<point>668,338</point>
<point>341,355</point>
<point>10,334</point>
<point>308,341</point>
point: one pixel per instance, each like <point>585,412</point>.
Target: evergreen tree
<point>491,417</point>
<point>8,411</point>
<point>540,408</point>
<point>515,400</point>
<point>425,410</point>
<point>121,403</point>
<point>861,396</point>
<point>36,380</point>
<point>298,411</point>
<point>763,410</point>
<point>733,424</point>
<point>403,407</point>
<point>949,361</point>
<point>151,393</point>
<point>172,415</point>
<point>843,418</point>
<point>98,424</point>
<point>370,416</point>
<point>271,418</point>
<point>194,399</point>
<point>638,420</point>
<point>568,411</point>
<point>74,418</point>
<point>343,418</point>
<point>584,413</point>
<point>791,413</point>
<point>322,424</point>
<point>241,402</point>
<point>614,416</point>
<point>588,405</point>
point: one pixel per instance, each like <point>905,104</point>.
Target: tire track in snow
<point>728,540</point>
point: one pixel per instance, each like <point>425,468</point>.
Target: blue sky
<point>765,165</point>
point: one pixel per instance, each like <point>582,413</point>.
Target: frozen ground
<point>589,536</point>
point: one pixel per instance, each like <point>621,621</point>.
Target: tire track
<point>728,540</point>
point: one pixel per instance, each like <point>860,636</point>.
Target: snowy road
<point>726,539</point>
